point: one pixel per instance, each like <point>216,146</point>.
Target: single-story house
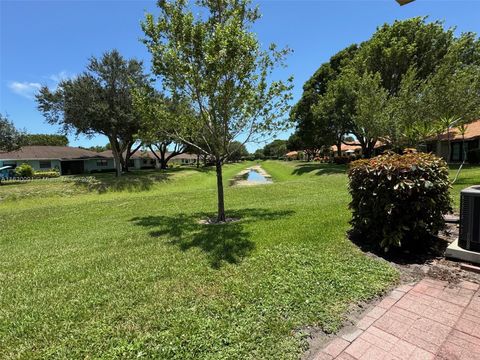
<point>72,160</point>
<point>459,144</point>
<point>292,155</point>
<point>147,160</point>
<point>139,160</point>
<point>355,148</point>
<point>68,160</point>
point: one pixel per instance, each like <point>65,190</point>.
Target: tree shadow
<point>319,169</point>
<point>227,242</point>
<point>422,252</point>
<point>130,182</point>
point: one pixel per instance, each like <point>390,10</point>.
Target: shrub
<point>473,156</point>
<point>24,170</point>
<point>344,159</point>
<point>399,200</point>
<point>52,173</point>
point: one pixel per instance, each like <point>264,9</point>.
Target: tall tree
<point>295,143</point>
<point>10,138</point>
<point>156,127</point>
<point>239,151</point>
<point>396,48</point>
<point>212,59</point>
<point>316,127</point>
<point>452,93</point>
<point>99,101</point>
<point>275,149</point>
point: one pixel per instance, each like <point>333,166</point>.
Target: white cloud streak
<point>25,89</point>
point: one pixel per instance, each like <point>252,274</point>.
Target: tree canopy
<point>10,138</point>
<point>211,59</point>
<point>395,87</point>
<point>276,149</point>
<point>99,101</point>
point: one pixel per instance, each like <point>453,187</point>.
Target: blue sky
<point>44,41</point>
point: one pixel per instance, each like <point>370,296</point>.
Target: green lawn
<point>122,269</point>
<point>469,175</point>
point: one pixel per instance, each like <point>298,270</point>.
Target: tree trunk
<point>116,157</point>
<point>198,161</point>
<point>449,142</point>
<point>339,147</point>
<point>127,159</point>
<point>221,204</point>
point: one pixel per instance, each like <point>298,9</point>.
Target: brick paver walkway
<point>430,320</point>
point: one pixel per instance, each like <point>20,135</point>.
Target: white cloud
<point>29,89</point>
<point>62,75</point>
<point>25,89</point>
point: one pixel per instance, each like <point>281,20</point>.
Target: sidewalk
<point>431,320</point>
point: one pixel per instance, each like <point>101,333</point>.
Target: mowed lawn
<point>122,269</point>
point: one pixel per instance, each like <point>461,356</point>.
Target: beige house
<point>68,160</point>
<point>73,160</point>
<point>459,144</point>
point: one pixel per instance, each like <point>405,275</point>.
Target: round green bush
<point>24,170</point>
<point>399,200</point>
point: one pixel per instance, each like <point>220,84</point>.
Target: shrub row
<point>399,200</point>
<point>46,174</point>
<point>26,171</point>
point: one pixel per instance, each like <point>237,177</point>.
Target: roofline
<point>434,139</point>
<point>59,159</point>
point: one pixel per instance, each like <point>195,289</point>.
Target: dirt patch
<point>214,221</point>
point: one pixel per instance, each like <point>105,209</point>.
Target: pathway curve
<point>430,320</point>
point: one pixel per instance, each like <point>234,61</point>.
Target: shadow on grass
<point>319,169</point>
<point>420,253</point>
<point>131,182</point>
<point>229,242</point>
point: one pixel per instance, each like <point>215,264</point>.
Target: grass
<point>469,175</point>
<point>105,268</point>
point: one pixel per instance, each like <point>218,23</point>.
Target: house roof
<point>355,146</point>
<point>291,153</point>
<point>49,153</point>
<point>473,132</point>
<point>136,155</point>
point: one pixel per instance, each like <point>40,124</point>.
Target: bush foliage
<point>52,173</point>
<point>24,170</point>
<point>399,200</point>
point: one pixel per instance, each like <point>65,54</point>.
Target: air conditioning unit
<point>469,237</point>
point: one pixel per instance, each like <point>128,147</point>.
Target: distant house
<point>356,149</point>
<point>292,155</point>
<point>68,160</point>
<point>146,159</point>
<point>459,144</point>
<point>139,160</point>
<point>72,160</point>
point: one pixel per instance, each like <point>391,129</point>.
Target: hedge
<point>399,200</point>
<point>46,174</point>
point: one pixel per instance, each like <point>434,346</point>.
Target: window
<point>456,152</point>
<point>131,163</point>
<point>45,164</point>
<point>102,163</point>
